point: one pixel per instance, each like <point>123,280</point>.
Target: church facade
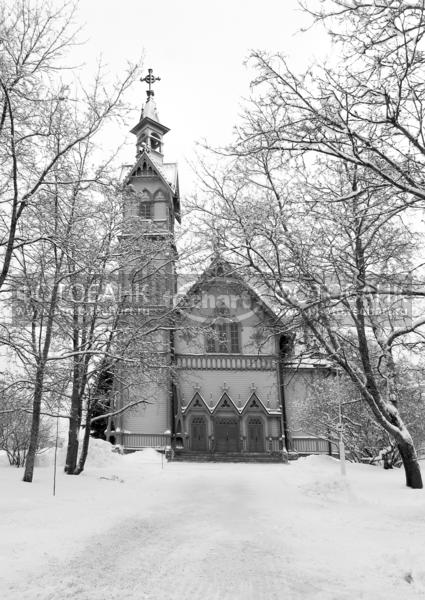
<point>226,382</point>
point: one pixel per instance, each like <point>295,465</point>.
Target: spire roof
<point>150,110</point>
<point>149,116</point>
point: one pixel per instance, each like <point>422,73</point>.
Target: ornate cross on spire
<point>150,80</point>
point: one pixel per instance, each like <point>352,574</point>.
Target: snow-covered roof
<point>166,171</point>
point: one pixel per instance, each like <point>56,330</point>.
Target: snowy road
<point>230,532</point>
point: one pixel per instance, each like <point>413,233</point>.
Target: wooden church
<point>227,385</point>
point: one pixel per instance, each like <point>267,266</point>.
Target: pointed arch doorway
<point>255,434</point>
<point>198,431</point>
<point>226,434</point>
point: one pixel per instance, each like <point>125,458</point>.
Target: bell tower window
<point>155,142</point>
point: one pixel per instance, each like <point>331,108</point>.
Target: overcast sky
<point>198,49</point>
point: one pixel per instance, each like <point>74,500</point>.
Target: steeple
<point>149,131</point>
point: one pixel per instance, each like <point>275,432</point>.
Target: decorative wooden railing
<point>142,440</point>
<point>225,362</point>
<point>308,445</point>
<point>302,445</point>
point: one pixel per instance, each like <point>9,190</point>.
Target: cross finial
<point>216,244</point>
<point>150,80</point>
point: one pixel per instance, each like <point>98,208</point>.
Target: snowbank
<point>320,476</point>
<point>101,454</point>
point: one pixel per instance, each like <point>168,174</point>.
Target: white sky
<point>198,49</point>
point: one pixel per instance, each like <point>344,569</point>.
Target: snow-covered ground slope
<point>128,529</point>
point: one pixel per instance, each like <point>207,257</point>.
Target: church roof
<point>169,173</point>
<point>166,171</point>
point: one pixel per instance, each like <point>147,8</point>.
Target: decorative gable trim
<point>226,403</point>
<point>196,402</point>
<point>221,270</point>
<point>254,403</point>
<point>146,167</point>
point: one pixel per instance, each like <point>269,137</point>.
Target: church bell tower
<point>151,208</point>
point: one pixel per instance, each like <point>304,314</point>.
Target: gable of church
<point>222,316</point>
<point>226,405</point>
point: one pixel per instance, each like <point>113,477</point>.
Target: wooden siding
<point>209,384</point>
<point>148,418</point>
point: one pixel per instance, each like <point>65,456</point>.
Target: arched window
<point>155,142</point>
<point>224,338</point>
<point>145,210</point>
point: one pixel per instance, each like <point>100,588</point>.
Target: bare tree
<point>326,244</point>
<point>48,123</point>
<point>42,117</point>
<point>334,401</point>
<point>320,199</point>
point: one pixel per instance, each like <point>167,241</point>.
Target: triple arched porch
<point>229,430</point>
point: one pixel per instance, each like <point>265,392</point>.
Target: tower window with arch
<point>224,338</point>
<point>156,289</point>
<point>155,142</point>
<point>146,210</point>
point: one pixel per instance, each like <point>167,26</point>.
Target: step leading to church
<point>230,457</point>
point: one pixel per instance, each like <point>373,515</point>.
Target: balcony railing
<point>308,445</point>
<point>225,362</point>
<point>134,441</point>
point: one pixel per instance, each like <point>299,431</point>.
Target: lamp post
<point>340,428</point>
<point>167,432</point>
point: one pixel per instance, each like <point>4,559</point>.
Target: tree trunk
<point>73,431</point>
<point>75,413</point>
<point>74,428</point>
<point>35,425</point>
<point>411,465</point>
<point>85,445</point>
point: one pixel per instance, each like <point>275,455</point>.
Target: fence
<point>309,445</point>
<point>134,441</point>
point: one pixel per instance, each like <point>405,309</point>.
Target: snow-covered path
<point>229,532</point>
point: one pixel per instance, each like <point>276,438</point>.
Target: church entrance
<point>226,434</point>
<point>255,435</point>
<point>199,434</point>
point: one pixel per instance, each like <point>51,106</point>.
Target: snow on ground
<point>128,528</point>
